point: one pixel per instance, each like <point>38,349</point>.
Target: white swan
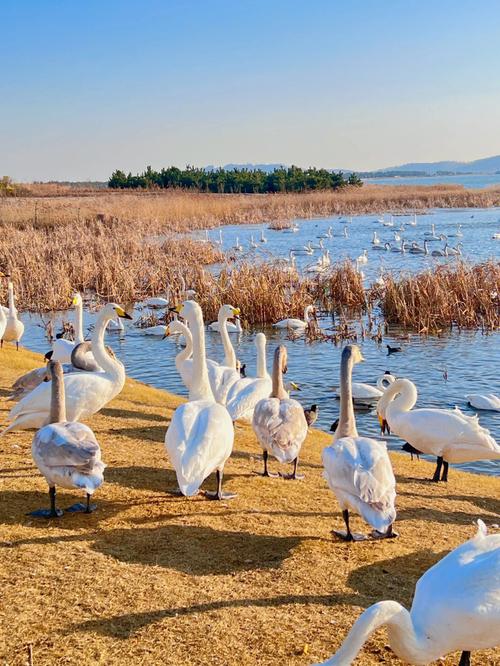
<point>183,360</point>
<point>358,469</point>
<point>214,327</point>
<point>456,606</point>
<point>375,239</point>
<point>3,322</point>
<point>14,327</point>
<point>484,401</point>
<point>279,422</point>
<point>222,376</point>
<point>66,453</point>
<point>363,258</point>
<point>157,331</point>
<point>62,348</point>
<point>246,393</point>
<point>448,434</point>
<point>252,243</point>
<point>431,235</point>
<point>458,233</point>
<point>200,436</point>
<point>115,325</point>
<point>86,392</point>
<point>237,247</point>
<point>296,323</point>
<point>304,249</point>
<point>328,234</point>
<point>365,392</point>
<point>263,239</point>
<point>345,233</point>
<point>157,302</point>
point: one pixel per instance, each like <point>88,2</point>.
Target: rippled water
<point>471,360</point>
<point>470,180</point>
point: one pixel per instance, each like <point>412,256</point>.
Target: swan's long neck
<point>402,636</point>
<point>79,323</point>
<point>307,310</point>
<point>111,366</point>
<point>229,355</point>
<point>347,421</point>
<point>400,397</point>
<point>261,358</point>
<point>185,353</point>
<point>12,307</point>
<point>200,386</point>
<point>57,398</point>
<point>278,387</point>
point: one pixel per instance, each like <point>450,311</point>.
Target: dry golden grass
<point>180,210</point>
<point>155,579</point>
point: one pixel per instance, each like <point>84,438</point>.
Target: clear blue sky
<point>88,86</point>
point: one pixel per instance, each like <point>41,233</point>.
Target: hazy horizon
<point>90,88</point>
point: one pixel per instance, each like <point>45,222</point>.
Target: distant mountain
<point>485,165</point>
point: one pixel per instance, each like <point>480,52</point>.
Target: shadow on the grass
<point>196,550</point>
<point>116,412</point>
<point>158,479</point>
<point>398,574</point>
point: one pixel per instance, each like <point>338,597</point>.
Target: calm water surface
<point>472,360</point>
<point>467,180</point>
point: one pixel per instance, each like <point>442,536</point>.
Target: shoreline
<point>153,578</point>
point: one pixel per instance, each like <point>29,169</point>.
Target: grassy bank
<point>154,579</point>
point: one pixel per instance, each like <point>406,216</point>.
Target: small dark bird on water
<point>411,450</point>
<point>311,415</point>
<point>393,350</point>
<point>243,370</point>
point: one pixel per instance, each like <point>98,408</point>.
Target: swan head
<point>113,310</point>
<point>292,386</point>
<point>77,299</point>
<point>352,353</point>
<point>281,359</point>
<point>228,312</point>
<point>260,340</point>
<point>173,328</point>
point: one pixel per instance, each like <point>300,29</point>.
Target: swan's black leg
<point>444,476</point>
<point>439,464</point>
<point>464,659</point>
<point>293,475</point>
<point>80,507</point>
<point>348,535</point>
<point>219,494</point>
<point>53,512</point>
<point>266,472</point>
<point>17,345</point>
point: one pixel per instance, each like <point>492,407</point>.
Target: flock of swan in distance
<point>456,606</point>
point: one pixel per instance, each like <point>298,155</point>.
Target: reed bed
<point>181,210</point>
<point>457,295</point>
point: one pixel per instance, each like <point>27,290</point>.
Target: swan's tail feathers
<point>482,530</point>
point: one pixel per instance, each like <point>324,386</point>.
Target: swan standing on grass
<point>456,607</point>
<point>484,401</point>
<point>358,469</point>
<point>279,422</point>
<point>200,436</point>
<point>246,393</point>
<point>297,323</point>
<point>66,453</point>
<point>222,376</point>
<point>61,347</point>
<point>448,434</point>
<point>14,327</point>
<point>86,392</point>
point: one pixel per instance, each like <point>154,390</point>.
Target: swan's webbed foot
<point>219,494</point>
<point>80,507</point>
<point>46,513</point>
<point>347,535</point>
<point>294,476</point>
<point>53,512</point>
<point>177,492</point>
<point>389,534</point>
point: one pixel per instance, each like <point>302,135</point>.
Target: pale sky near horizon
<point>89,87</point>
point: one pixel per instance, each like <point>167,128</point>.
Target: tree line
<point>235,181</point>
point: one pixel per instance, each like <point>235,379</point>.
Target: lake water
<point>472,360</point>
<point>473,181</point>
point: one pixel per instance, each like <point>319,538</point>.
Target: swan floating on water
<point>358,469</point>
<point>297,323</point>
<point>364,393</point>
<point>486,401</point>
<point>456,607</point>
<point>63,348</point>
<point>66,453</point>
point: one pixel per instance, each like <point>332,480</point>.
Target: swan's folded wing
<point>245,394</point>
<point>280,425</point>
<point>66,444</point>
<point>37,400</point>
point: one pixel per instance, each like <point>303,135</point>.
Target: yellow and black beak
<point>74,301</point>
<point>166,334</point>
<point>236,312</point>
<point>384,426</point>
<point>176,309</point>
<point>121,313</point>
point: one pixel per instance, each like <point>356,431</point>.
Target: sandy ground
<point>150,578</point>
